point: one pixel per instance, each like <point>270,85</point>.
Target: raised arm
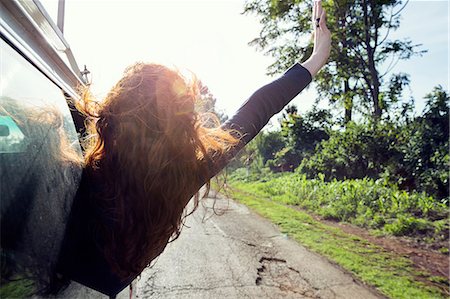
<point>270,99</point>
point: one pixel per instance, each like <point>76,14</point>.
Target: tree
<point>361,150</point>
<point>268,144</point>
<point>207,104</point>
<point>360,31</point>
<point>413,154</point>
<point>301,134</point>
<point>426,147</point>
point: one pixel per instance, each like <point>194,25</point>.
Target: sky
<point>210,38</point>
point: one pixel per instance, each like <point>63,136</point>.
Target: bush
<point>375,204</point>
<point>413,155</point>
<point>361,150</point>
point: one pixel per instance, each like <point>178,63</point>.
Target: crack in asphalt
<point>263,272</point>
<point>248,243</point>
<point>271,259</point>
<point>235,250</point>
<point>275,273</point>
<point>282,279</point>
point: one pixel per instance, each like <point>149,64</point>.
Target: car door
<point>40,154</point>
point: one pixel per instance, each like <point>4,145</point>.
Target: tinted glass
<point>39,174</point>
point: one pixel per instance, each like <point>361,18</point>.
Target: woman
<point>149,154</point>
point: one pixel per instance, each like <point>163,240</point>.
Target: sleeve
<point>256,112</point>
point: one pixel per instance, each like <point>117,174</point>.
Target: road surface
<point>236,255</point>
<point>241,255</point>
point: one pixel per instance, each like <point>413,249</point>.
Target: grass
<point>366,203</point>
<point>392,275</point>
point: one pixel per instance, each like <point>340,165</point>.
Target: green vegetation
<point>360,73</point>
<point>378,134</point>
<point>20,288</point>
<point>376,163</point>
<point>391,274</point>
<point>387,176</point>
<point>410,154</point>
<point>365,202</point>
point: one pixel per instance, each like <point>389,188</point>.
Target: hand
<point>322,40</point>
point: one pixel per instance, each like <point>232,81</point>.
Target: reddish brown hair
<point>149,153</point>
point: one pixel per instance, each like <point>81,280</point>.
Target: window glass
<point>39,174</point>
<point>12,138</point>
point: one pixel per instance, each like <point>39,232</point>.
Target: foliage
<point>425,152</point>
<point>301,134</point>
<point>388,143</point>
<point>359,151</point>
<point>411,152</point>
<point>360,46</point>
<point>20,288</point>
<point>374,204</point>
<point>414,155</point>
<point>207,104</point>
<point>269,144</point>
<point>250,162</point>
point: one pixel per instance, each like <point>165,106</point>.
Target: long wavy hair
<point>148,152</point>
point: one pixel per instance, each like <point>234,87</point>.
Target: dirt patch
<point>423,258</point>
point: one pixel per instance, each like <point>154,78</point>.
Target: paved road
<point>236,255</point>
<point>241,255</point>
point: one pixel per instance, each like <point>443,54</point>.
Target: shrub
<point>375,204</point>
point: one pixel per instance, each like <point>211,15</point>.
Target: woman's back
<point>151,154</point>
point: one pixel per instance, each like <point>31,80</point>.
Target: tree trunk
<point>374,79</point>
<point>376,93</point>
<point>348,103</point>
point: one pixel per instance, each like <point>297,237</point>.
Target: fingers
<point>323,21</point>
<point>319,8</point>
<point>317,12</point>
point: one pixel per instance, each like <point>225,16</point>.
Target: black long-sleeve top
<point>264,103</point>
<point>82,261</point>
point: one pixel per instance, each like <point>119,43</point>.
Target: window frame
<point>19,29</point>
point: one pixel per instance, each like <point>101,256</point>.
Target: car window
<point>40,169</point>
